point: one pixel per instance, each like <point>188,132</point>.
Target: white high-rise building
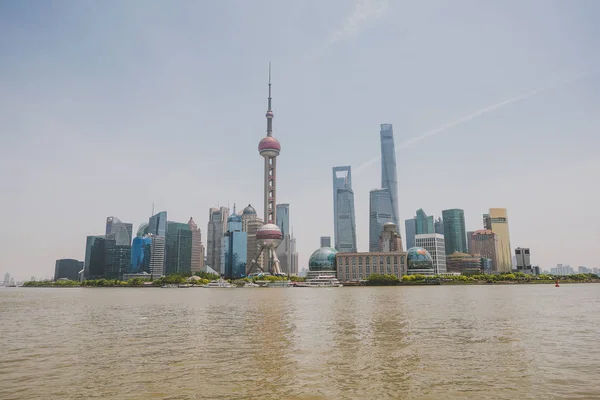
<point>435,245</point>
<point>522,259</point>
<point>157,256</point>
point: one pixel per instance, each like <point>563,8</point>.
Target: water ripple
<point>525,342</point>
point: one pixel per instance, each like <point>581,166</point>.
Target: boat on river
<point>326,281</point>
<point>219,283</point>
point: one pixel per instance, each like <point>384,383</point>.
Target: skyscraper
<point>283,218</point>
<point>524,260</point>
<point>217,226</point>
<point>438,226</point>
<point>286,251</point>
<point>157,224</point>
<point>380,212</point>
<point>234,248</point>
<point>390,240</point>
<point>434,244</point>
<point>94,257</point>
<point>197,262</point>
<point>119,231</point>
<point>178,248</point>
<point>157,256</point>
<point>389,177</point>
<point>485,243</point>
<point>344,220</point>
<point>251,224</point>
<point>123,231</point>
<point>141,251</point>
<point>67,268</point>
<point>497,222</point>
<point>454,231</point>
<point>425,223</point>
<point>325,241</point>
<point>411,230</point>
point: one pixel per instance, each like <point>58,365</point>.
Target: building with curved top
<point>323,259</point>
<point>121,231</point>
<point>390,240</point>
<point>143,229</point>
<point>419,261</point>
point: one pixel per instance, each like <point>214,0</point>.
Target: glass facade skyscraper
<point>122,231</point>
<point>425,223</point>
<point>283,218</point>
<point>411,231</point>
<point>157,225</point>
<point>141,250</point>
<point>178,248</point>
<point>389,174</point>
<point>235,248</point>
<point>455,235</point>
<point>96,255</point>
<point>344,220</point>
<point>118,261</point>
<point>67,268</point>
<point>380,212</point>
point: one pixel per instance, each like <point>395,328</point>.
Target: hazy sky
<point>109,106</point>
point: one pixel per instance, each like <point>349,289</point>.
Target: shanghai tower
<point>389,176</point>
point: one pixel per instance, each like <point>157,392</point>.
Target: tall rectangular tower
<point>411,231</point>
<point>344,222</point>
<point>497,222</point>
<point>283,218</point>
<point>380,212</point>
<point>217,226</point>
<point>389,174</point>
<point>455,231</point>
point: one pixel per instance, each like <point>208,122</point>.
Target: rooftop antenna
<point>152,208</point>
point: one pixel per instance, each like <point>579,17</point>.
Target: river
<point>428,342</point>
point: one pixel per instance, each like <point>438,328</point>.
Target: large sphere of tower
<point>269,147</point>
<point>269,235</point>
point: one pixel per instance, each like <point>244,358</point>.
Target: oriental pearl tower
<point>269,235</point>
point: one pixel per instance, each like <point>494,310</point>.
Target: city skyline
<point>146,106</point>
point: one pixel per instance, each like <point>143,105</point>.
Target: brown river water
<point>436,342</point>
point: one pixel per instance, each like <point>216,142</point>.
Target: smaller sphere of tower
<point>269,147</point>
<point>269,235</point>
<point>269,114</point>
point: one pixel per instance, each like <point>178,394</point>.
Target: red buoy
<point>556,284</point>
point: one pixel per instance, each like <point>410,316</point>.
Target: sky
<point>108,107</point>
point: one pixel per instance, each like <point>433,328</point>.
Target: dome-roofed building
<point>322,259</point>
<point>249,210</point>
<point>192,225</point>
<point>419,261</point>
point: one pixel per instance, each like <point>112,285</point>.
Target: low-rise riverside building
<point>354,267</point>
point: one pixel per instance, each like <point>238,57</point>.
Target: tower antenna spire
<point>269,109</point>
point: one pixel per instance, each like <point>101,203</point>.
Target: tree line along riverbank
<point>202,278</point>
<point>199,278</point>
<point>478,279</point>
